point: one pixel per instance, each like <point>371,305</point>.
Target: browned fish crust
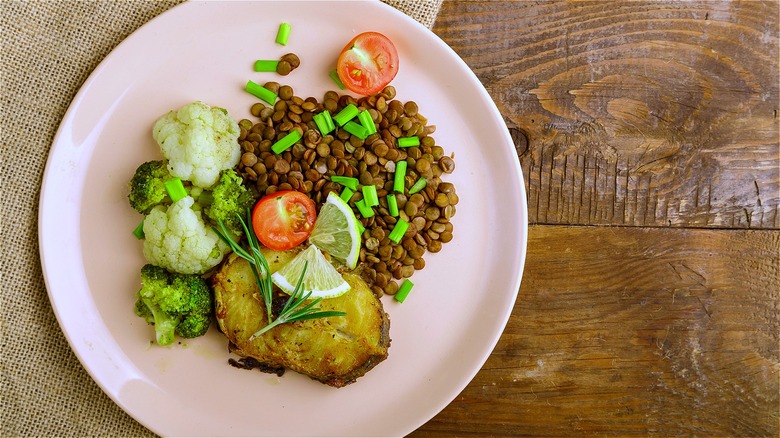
<point>335,350</point>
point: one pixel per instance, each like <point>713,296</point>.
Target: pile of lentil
<point>309,164</point>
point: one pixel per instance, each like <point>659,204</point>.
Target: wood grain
<point>664,332</point>
<point>648,135</point>
<point>640,113</point>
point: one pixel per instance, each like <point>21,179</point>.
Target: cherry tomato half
<point>283,220</point>
<point>368,63</point>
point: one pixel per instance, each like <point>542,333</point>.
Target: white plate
<point>441,335</point>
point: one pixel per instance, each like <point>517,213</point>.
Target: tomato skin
<point>284,219</point>
<point>368,63</point>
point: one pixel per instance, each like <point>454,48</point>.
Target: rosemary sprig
<point>296,308</point>
<point>257,262</point>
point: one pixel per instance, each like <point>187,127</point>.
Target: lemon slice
<point>336,231</point>
<point>321,277</point>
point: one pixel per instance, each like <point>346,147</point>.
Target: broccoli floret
<point>143,311</point>
<point>228,199</point>
<point>147,187</point>
<point>199,141</point>
<point>177,239</point>
<point>176,304</point>
<point>193,325</point>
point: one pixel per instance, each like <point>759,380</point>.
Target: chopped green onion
<point>404,290</point>
<point>346,194</point>
<point>361,227</point>
<point>348,113</point>
<point>392,205</point>
<point>324,122</point>
<point>326,116</point>
<point>335,76</point>
<point>370,196</point>
<point>175,189</point>
<point>405,142</point>
<point>138,232</point>
<point>400,176</point>
<point>367,122</point>
<point>322,125</point>
<point>261,92</point>
<point>346,181</point>
<point>398,230</point>
<point>285,142</point>
<point>283,34</point>
<point>364,209</point>
<point>266,65</point>
<point>417,186</point>
<point>356,129</point>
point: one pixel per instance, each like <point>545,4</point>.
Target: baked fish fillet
<point>335,350</point>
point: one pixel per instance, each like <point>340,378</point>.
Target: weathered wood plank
<point>665,332</point>
<point>635,113</point>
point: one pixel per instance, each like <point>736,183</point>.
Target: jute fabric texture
<point>48,50</point>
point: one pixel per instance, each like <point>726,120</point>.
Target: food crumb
<point>249,363</point>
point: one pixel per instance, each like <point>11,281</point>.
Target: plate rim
<point>48,174</point>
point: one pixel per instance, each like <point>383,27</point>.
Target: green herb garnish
<point>286,142</point>
<point>356,129</point>
<point>405,142</point>
<point>417,186</point>
<point>404,290</point>
<point>334,75</point>
<point>370,196</point>
<point>266,65</point>
<point>175,189</point>
<point>345,115</point>
<point>398,230</point>
<point>283,34</point>
<point>138,232</point>
<point>346,181</point>
<point>400,175</point>
<point>296,308</point>
<point>346,194</point>
<point>367,122</point>
<point>324,122</point>
<point>261,92</point>
<point>392,204</point>
<point>364,209</point>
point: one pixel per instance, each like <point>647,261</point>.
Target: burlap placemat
<point>48,50</point>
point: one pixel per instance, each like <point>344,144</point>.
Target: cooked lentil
<point>310,163</point>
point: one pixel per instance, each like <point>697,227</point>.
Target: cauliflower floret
<point>199,142</point>
<point>177,239</point>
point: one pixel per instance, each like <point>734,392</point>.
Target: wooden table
<point>648,137</point>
